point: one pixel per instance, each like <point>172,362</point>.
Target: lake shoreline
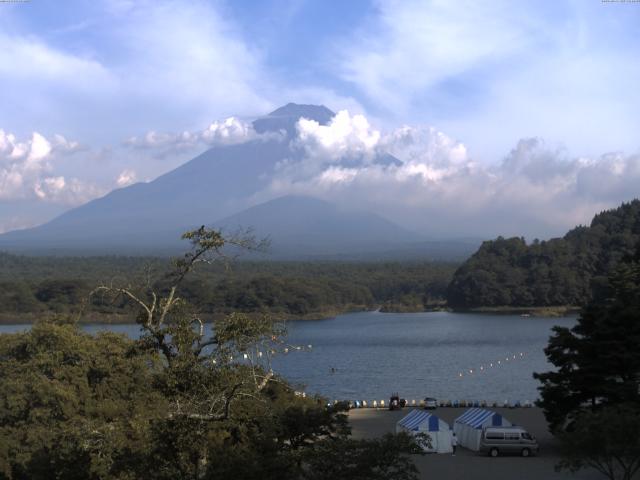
<point>123,319</point>
<point>552,311</point>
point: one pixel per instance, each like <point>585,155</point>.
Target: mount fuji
<point>216,188</point>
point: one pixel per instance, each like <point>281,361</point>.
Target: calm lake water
<point>416,354</point>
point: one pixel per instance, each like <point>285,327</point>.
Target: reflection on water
<point>370,355</point>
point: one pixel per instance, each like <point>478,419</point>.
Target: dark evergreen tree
<point>598,360</point>
<point>607,440</point>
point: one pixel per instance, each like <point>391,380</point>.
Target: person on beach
<point>454,444</point>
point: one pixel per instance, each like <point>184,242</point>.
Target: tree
<point>557,272</point>
<point>598,360</point>
<point>199,365</point>
<point>380,459</point>
<point>607,440</point>
<point>180,402</point>
<point>73,405</point>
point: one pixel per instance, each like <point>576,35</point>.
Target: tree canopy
<point>607,440</point>
<point>181,402</point>
<point>592,398</point>
<point>33,287</point>
<point>560,271</point>
<point>597,361</point>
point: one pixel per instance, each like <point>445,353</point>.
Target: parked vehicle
<point>396,403</point>
<point>430,403</point>
<point>508,440</point>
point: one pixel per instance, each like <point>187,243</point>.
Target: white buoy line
<point>491,365</point>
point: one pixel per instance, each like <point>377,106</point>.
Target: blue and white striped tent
<point>421,421</point>
<point>468,426</point>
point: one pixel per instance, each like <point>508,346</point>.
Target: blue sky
<point>488,74</point>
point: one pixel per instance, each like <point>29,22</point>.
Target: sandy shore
<point>468,465</point>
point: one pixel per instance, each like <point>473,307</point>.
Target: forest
<point>561,271</point>
<point>33,286</point>
<point>505,272</point>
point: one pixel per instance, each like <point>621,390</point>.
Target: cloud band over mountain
<point>420,177</point>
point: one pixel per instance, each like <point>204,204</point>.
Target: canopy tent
<point>420,421</point>
<point>468,426</point>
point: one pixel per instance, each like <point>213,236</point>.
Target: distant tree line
<point>560,271</point>
<point>59,285</point>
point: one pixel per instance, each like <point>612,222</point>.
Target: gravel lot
<point>468,465</point>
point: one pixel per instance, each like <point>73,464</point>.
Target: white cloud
<point>202,66</point>
<point>435,186</point>
<point>412,46</point>
<point>227,132</point>
<point>157,65</point>
<point>417,176</point>
<point>126,177</point>
<point>49,187</point>
<point>344,136</point>
<point>490,72</point>
<point>224,132</point>
<point>165,141</point>
<point>26,169</point>
<point>29,59</point>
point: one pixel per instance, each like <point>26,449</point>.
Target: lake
<point>369,355</point>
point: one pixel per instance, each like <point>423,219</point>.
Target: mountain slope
<point>305,225</point>
<point>561,271</point>
<point>215,188</point>
<point>213,185</point>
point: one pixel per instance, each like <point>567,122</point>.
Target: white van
<point>498,440</point>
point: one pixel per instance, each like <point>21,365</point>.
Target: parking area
<point>468,465</point>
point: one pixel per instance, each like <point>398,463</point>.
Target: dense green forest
<point>560,271</point>
<point>31,286</point>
